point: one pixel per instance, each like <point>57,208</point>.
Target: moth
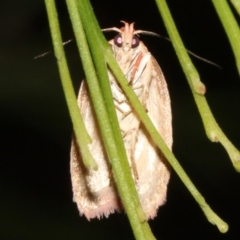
<point>95,192</point>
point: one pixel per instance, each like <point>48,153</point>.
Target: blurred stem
<point>212,129</point>
<point>84,22</point>
<point>230,26</point>
<point>236,4</point>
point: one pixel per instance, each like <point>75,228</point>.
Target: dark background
<point>35,128</point>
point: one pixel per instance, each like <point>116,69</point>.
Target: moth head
<point>127,37</point>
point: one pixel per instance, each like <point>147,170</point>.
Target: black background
<point>35,128</point>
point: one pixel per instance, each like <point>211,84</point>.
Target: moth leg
<point>130,140</point>
<point>141,96</point>
<point>145,97</point>
<point>145,93</point>
<point>133,145</point>
<point>129,135</point>
<point>124,113</point>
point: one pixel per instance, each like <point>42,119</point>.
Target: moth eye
<point>135,41</point>
<point>118,40</point>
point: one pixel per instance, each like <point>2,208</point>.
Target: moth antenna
<point>42,55</point>
<point>148,33</point>
<point>46,53</point>
<point>204,59</point>
<point>113,29</point>
<point>168,39</point>
<point>68,41</point>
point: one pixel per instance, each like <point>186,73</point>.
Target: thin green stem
<point>81,134</point>
<point>230,26</point>
<point>82,21</point>
<point>212,129</point>
<point>211,216</point>
<point>236,4</point>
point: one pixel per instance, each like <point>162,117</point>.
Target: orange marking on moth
<point>135,67</point>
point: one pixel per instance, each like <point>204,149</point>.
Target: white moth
<point>94,191</point>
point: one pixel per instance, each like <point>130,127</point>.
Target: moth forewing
<point>95,191</point>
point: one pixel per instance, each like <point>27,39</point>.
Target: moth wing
<point>159,105</point>
<point>152,167</point>
<point>93,191</point>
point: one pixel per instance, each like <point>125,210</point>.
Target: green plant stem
<point>211,216</point>
<point>121,170</point>
<point>230,26</point>
<point>236,4</point>
<point>82,21</point>
<point>212,129</point>
<point>81,134</point>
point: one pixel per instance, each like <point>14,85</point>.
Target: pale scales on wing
<point>94,191</point>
